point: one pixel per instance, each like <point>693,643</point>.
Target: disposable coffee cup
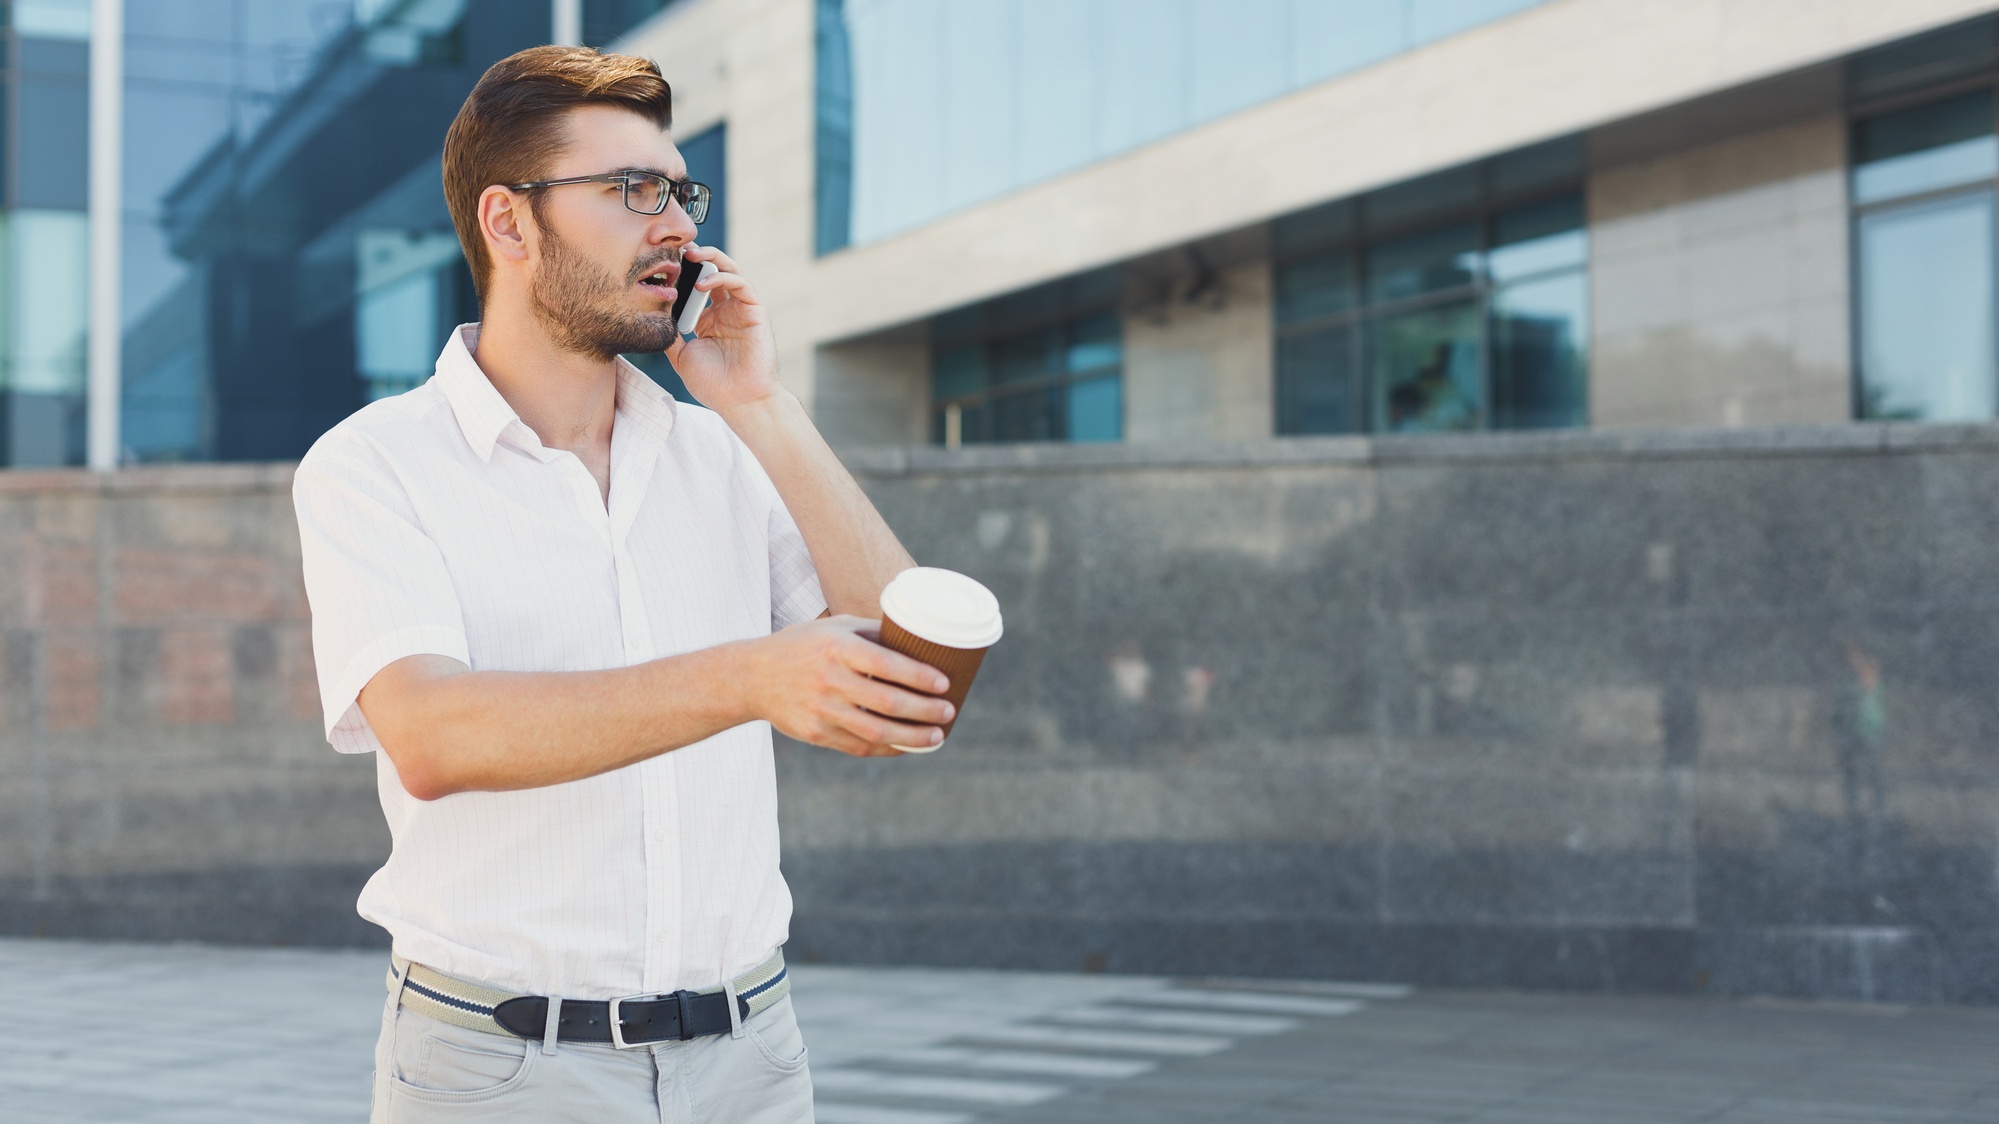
<point>944,619</point>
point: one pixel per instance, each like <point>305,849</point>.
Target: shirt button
<point>659,835</point>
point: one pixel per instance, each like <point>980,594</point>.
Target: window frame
<point>1858,112</point>
<point>1059,327</point>
<point>1360,318</point>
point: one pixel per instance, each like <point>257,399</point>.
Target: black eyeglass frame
<point>694,197</point>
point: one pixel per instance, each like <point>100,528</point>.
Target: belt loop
<point>553,1027</point>
<point>735,1009</point>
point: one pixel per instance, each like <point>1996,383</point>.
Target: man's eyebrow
<point>657,171</point>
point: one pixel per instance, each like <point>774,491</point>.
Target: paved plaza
<point>263,1035</point>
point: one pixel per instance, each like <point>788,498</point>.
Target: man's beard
<point>581,305</point>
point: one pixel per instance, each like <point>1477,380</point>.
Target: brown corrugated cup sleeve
<point>959,665</point>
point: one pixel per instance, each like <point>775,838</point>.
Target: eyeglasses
<point>644,192</point>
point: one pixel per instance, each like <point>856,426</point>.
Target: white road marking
<point>1175,1020</point>
<point>1262,1002</point>
<point>869,1114</point>
<point>877,1084</point>
<point>1027,1061</point>
<point>1182,1045</point>
<point>1317,987</point>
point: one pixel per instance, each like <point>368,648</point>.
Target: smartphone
<point>687,307</point>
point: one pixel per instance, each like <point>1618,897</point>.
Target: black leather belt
<point>622,1022</point>
<point>634,1020</point>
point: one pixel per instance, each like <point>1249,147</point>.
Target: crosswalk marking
<point>875,1083</point>
<point>1183,1045</point>
<point>1261,1002</point>
<point>1025,1061</point>
<point>1117,1037</point>
<point>869,1114</point>
<point>1340,988</point>
<point>1176,1020</point>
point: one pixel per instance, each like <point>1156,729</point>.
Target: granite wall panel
<point>1693,711</point>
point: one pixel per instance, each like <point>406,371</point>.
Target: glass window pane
<point>1426,370</point>
<point>1537,239</point>
<point>1095,342</point>
<point>1540,329</point>
<point>1096,410</point>
<point>958,371</point>
<point>1030,355</point>
<point>1316,391</point>
<point>1925,60</point>
<point>1925,148</point>
<point>1319,227</point>
<point>1450,190</point>
<point>1423,263</point>
<point>1319,287</point>
<point>1926,311</point>
<point>975,424</point>
<point>47,322</point>
<point>1544,165</point>
<point>707,156</point>
<point>1030,416</point>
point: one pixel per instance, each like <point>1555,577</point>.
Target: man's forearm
<point>852,547</point>
<point>451,730</point>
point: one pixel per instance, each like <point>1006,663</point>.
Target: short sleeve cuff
<point>346,728</point>
<point>803,602</point>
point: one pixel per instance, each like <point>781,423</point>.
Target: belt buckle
<point>618,1024</point>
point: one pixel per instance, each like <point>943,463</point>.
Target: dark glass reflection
<point>1479,322</point>
<point>1032,416</point>
<point>1423,263</point>
<point>1926,148</point>
<point>1316,287</point>
<point>1539,332</point>
<point>1317,384</point>
<point>1426,370</point>
<point>288,255</point>
<point>1043,364</point>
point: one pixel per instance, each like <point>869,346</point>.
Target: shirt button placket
<point>661,791</point>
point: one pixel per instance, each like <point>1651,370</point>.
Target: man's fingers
<point>877,662</point>
<point>876,730</point>
<point>723,262</point>
<point>891,701</point>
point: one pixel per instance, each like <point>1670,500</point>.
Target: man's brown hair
<point>510,128</point>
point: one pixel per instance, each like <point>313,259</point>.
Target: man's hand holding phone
<point>732,360</point>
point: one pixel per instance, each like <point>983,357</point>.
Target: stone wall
<point>1704,711</point>
<point>162,772</point>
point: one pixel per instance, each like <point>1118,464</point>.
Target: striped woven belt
<point>634,1020</point>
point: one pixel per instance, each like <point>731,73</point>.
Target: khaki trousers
<point>429,1071</point>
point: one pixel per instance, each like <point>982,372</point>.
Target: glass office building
<point>926,108</point>
<point>286,253</point>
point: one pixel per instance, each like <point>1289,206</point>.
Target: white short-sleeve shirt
<point>436,522</point>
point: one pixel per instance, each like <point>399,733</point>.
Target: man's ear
<point>506,224</point>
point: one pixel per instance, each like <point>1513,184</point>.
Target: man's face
<point>603,284</point>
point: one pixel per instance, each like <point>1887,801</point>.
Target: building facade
<point>1191,222</point>
<point>1006,220</point>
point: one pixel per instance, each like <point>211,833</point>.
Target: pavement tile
<point>917,1037</point>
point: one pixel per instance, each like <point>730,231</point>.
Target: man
<point>564,611</point>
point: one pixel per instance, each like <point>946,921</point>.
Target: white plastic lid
<point>944,607</point>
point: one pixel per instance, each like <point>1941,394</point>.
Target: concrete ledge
<point>228,478</point>
<point>1857,438</point>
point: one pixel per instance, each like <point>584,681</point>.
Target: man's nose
<point>673,225</point>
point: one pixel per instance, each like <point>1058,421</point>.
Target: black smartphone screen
<point>690,272</point>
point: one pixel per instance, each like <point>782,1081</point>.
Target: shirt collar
<point>483,415</point>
